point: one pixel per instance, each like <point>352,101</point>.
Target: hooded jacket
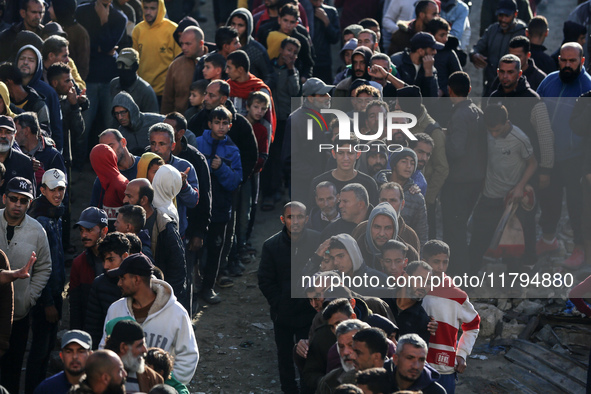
<point>426,383</point>
<point>374,252</point>
<point>157,48</point>
<point>342,89</point>
<point>260,64</point>
<point>167,326</point>
<point>8,37</point>
<point>136,133</point>
<point>104,163</point>
<point>6,99</point>
<point>144,162</point>
<point>167,184</point>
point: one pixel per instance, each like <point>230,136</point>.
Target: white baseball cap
<point>54,178</point>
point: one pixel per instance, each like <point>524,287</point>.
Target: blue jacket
<point>226,178</point>
<point>560,99</point>
<point>51,98</point>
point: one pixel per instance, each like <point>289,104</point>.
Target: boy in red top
<point>451,308</point>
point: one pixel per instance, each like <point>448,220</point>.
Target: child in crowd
<point>162,362</point>
<point>214,66</point>
<point>196,97</point>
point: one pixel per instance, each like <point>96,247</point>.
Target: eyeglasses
<point>120,113</point>
<point>23,200</point>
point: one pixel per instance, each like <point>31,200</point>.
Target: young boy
<point>223,158</point>
<point>214,66</point>
<point>393,259</point>
<point>197,94</point>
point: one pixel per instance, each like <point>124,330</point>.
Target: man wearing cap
<point>130,82</point>
<point>15,162</point>
<point>152,303</point>
<point>403,165</point>
<point>416,66</point>
<point>128,340</point>
<point>74,352</point>
<point>48,210</point>
<point>21,237</point>
<point>300,153</point>
<point>494,43</point>
<point>87,265</point>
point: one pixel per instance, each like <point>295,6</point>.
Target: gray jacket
<point>284,84</point>
<point>28,237</point>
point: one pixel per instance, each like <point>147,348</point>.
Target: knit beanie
<point>405,152</point>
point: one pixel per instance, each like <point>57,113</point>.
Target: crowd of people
<point>187,133</point>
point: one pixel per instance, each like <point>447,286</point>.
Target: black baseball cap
<point>92,216</point>
<point>425,40</point>
<point>506,7</point>
<point>6,122</point>
<point>20,185</point>
<point>135,264</point>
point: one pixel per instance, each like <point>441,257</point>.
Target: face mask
<point>127,78</point>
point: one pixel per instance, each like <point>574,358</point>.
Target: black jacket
<point>446,63</point>
<point>579,123</point>
<point>103,293</point>
<point>325,36</point>
<point>241,134</point>
<point>18,164</point>
<point>427,382</point>
<point>542,59</point>
<point>281,262</point>
<point>408,73</point>
<point>412,320</point>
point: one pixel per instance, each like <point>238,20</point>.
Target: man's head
<point>496,120</point>
<point>11,76</point>
<point>375,116</point>
<point>410,357</point>
<point>570,61</point>
<point>127,340</point>
<point>506,13</point>
<point>371,347</point>
<point>459,84</point>
<point>32,12</point>
<point>423,147</point>
<point>105,372</point>
<point>393,194</point>
<point>537,29</point>
<point>7,133</point>
<point>17,199</point>
<point>325,195</point>
<point>376,158</point>
<point>368,38</point>
<point>426,10</point>
<point>162,140</point>
<point>134,274</point>
<point>27,129</point>
<point>359,63</point>
<point>60,78</point>
<point>353,202</point>
<point>27,63</point>
<point>436,254</point>
<point>239,22</point>
<point>237,65</point>
<point>338,311</point>
<point>214,66</point>
<point>227,40</point>
<point>130,219</point>
<point>178,123</point>
<point>294,217</point>
<point>150,11</point>
<point>383,228</point>
<point>116,141</point>
<point>393,259</point>
<point>404,163</point>
<point>55,49</point>
<point>75,349</point>
<point>509,72</point>
<point>216,94</point>
<point>191,42</point>
<point>520,47</point>
<point>344,154</point>
<point>113,250</point>
<point>373,25</point>
<point>420,274</point>
<point>343,261</point>
<point>373,381</point>
<point>139,192</point>
<point>93,225</point>
<point>53,186</point>
<point>439,28</point>
<point>423,44</point>
<point>288,18</point>
<point>317,92</point>
<point>345,331</point>
<point>122,115</point>
<point>383,60</point>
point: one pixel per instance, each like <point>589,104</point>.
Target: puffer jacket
<point>103,293</point>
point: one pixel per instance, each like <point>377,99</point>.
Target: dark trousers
<point>214,243</point>
<point>457,202</point>
<point>12,361</point>
<point>565,175</point>
<point>486,217</point>
<point>285,339</point>
<point>42,343</point>
<point>272,174</point>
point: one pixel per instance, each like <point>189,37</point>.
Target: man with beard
<point>494,43</point>
<point>15,162</point>
<point>425,11</point>
<point>129,81</point>
<point>31,12</point>
<point>345,332</point>
<point>408,369</point>
<point>423,147</point>
<point>570,81</point>
<point>375,159</point>
<point>375,128</point>
<point>127,340</point>
<point>76,346</point>
<point>325,212</point>
<point>93,224</point>
<point>393,194</point>
<point>282,259</point>
<point>105,374</point>
<point>354,207</point>
<point>360,61</point>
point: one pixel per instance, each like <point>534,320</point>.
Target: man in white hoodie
<point>152,303</point>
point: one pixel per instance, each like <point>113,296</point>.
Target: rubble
<point>490,315</point>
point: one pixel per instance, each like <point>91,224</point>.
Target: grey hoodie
<point>361,164</point>
<point>136,133</point>
<point>352,249</point>
<point>386,209</point>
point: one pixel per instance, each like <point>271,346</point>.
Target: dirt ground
<point>235,337</point>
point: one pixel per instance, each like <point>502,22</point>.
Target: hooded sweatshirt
<point>49,94</point>
<point>142,165</point>
<point>342,89</point>
<point>361,164</point>
<point>136,133</point>
<point>157,48</point>
<point>260,65</point>
<point>386,209</point>
<point>6,98</point>
<point>167,184</point>
<point>104,163</point>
